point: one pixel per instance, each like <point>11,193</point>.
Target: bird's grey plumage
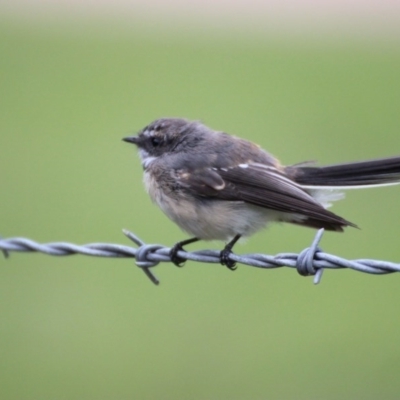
<point>216,186</point>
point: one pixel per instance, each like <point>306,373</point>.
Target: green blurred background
<point>87,328</point>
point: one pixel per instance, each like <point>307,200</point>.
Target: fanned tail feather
<point>380,172</point>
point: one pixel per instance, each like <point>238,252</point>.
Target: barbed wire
<point>310,261</point>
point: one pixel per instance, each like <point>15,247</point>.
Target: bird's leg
<point>224,255</point>
<point>175,259</point>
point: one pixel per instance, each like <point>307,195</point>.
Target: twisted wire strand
<point>310,261</point>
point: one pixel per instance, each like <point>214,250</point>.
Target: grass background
<point>86,328</point>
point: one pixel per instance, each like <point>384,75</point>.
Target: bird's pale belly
<point>211,219</point>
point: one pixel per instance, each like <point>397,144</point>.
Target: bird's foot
<point>225,260</point>
<point>175,259</point>
<point>226,252</point>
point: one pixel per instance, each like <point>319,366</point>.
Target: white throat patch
<point>146,158</point>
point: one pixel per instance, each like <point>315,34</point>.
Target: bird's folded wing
<point>260,185</point>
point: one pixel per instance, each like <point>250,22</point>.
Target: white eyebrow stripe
<point>148,133</point>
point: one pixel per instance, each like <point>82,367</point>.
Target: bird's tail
<point>381,172</point>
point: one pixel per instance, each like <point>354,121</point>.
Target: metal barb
<point>311,261</point>
<point>142,254</point>
<point>306,261</point>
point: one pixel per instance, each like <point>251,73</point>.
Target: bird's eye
<point>155,141</point>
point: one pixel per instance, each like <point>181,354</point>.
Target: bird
<point>217,186</point>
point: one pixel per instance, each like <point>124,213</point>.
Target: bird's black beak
<point>131,139</point>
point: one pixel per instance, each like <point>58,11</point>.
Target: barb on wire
<point>310,261</point>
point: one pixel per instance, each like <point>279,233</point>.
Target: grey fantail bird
<point>219,187</point>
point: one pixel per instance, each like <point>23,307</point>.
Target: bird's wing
<point>260,185</point>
